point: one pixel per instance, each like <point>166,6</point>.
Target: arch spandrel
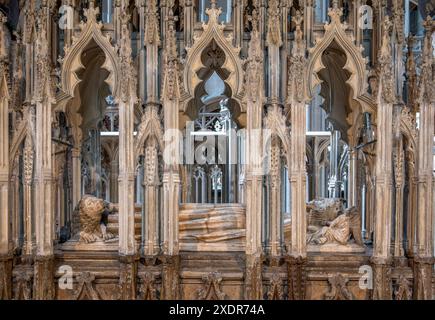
<point>71,63</point>
<point>212,31</point>
<point>355,62</point>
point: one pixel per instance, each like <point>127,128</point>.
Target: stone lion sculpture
<point>93,214</point>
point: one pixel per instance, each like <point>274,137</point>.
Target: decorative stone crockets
<point>212,31</point>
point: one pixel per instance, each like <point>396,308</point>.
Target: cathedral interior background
<point>217,149</point>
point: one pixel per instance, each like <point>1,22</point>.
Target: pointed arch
<point>212,31</point>
<point>149,127</point>
<point>275,122</point>
<point>71,63</point>
<point>355,62</point>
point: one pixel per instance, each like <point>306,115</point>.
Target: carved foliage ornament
<point>171,65</point>
<point>295,86</point>
<point>385,65</point>
<point>273,25</point>
<point>128,84</point>
<point>152,33</point>
<point>44,84</point>
<point>426,84</point>
<point>254,79</point>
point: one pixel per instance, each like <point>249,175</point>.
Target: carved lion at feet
<point>93,214</point>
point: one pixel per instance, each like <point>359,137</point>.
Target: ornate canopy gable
<point>355,62</point>
<point>212,31</point>
<point>71,63</point>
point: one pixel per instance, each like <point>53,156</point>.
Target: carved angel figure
<point>93,219</point>
<point>340,230</point>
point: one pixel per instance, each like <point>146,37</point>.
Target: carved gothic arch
<point>212,31</point>
<point>355,64</point>
<point>71,63</point>
<point>150,127</point>
<point>408,128</point>
<point>276,124</point>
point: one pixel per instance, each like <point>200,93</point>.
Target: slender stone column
<point>151,189</point>
<point>114,181</point>
<point>127,244</point>
<point>296,260</point>
<point>126,100</point>
<point>424,256</point>
<point>381,250</point>
<point>254,100</point>
<point>334,179</point>
<point>275,199</point>
<point>309,21</point>
<point>77,175</point>
<point>297,169</point>
<point>5,237</point>
<point>274,42</point>
<point>398,158</point>
<point>27,197</point>
<point>140,4</point>
<point>172,160</point>
<point>152,43</point>
<point>353,178</point>
<point>189,22</point>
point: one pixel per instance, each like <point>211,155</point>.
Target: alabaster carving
<point>329,223</point>
<point>93,213</point>
<point>209,224</point>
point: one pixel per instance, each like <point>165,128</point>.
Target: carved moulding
<point>212,31</point>
<point>211,289</point>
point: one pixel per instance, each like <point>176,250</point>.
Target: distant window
<point>107,11</point>
<point>321,11</point>
<point>225,5</point>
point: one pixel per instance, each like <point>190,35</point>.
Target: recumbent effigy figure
<point>93,213</point>
<point>329,223</point>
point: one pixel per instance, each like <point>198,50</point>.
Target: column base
<point>6,277</point>
<point>128,276</point>
<point>170,277</point>
<point>297,277</point>
<point>423,267</point>
<point>382,286</point>
<point>43,279</point>
<point>254,277</point>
